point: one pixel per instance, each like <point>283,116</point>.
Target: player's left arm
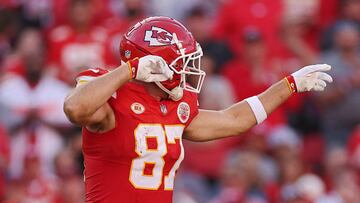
<point>240,117</point>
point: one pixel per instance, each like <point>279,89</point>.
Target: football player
<point>135,117</point>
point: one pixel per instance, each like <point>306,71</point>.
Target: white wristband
<point>257,108</point>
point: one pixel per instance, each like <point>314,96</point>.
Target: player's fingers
<point>168,73</point>
<point>157,78</point>
<point>317,67</point>
<point>318,88</point>
<point>164,68</point>
<point>154,64</point>
<point>324,76</point>
<point>161,62</point>
<point>320,83</point>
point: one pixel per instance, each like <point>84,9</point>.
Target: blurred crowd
<point>308,151</point>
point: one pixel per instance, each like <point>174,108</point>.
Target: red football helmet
<point>169,39</point>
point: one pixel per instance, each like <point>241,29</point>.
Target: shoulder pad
<point>90,74</point>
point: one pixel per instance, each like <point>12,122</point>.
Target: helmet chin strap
<point>175,94</point>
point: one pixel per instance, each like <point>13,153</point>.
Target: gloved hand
<point>150,69</point>
<point>309,78</point>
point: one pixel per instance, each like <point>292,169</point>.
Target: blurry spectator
<point>199,23</point>
<point>34,103</point>
<point>79,44</point>
<point>285,147</point>
<point>37,12</point>
<point>75,146</point>
<point>251,72</point>
<point>349,11</point>
<point>133,10</point>
<point>284,142</point>
<point>215,86</point>
<point>241,180</point>
<point>33,185</point>
<point>346,189</point>
<point>299,35</point>
<point>179,9</point>
<point>125,14</point>
<point>291,169</point>
<point>339,100</point>
<point>9,26</point>
<point>336,160</point>
<point>103,10</point>
<point>65,166</point>
<point>237,16</point>
<point>252,66</point>
<point>4,160</point>
<point>309,187</point>
<point>72,189</point>
<point>353,148</point>
<point>295,10</point>
<point>329,12</point>
<point>191,186</point>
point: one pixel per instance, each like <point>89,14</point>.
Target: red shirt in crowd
<point>236,17</point>
<point>4,159</point>
<point>71,51</point>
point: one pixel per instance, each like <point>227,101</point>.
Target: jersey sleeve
<point>89,74</point>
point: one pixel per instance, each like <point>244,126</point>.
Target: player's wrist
<point>291,84</point>
<point>133,68</point>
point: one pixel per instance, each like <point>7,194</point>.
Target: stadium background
<point>307,151</point>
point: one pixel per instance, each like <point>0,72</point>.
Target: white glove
<point>310,78</point>
<point>150,69</point>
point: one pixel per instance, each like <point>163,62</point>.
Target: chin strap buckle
<point>175,94</point>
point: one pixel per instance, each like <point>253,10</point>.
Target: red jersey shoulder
<point>93,72</point>
<point>90,73</point>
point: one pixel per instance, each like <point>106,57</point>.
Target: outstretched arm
<point>240,117</point>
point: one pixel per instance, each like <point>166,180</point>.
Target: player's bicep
<point>210,125</point>
<point>102,120</point>
<point>99,120</point>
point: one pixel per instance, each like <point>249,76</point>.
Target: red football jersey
<point>137,160</point>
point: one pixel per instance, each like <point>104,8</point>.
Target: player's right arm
<point>87,105</point>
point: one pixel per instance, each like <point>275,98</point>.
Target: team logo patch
<point>158,37</point>
<point>183,112</point>
<point>137,108</point>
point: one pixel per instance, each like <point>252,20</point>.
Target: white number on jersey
<point>154,156</point>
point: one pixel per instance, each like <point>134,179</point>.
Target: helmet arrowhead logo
<point>158,37</point>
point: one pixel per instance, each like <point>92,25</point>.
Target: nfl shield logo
<point>163,109</point>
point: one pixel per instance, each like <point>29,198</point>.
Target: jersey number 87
<point>154,156</point>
